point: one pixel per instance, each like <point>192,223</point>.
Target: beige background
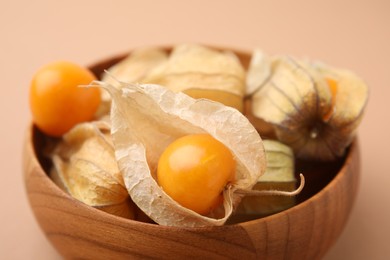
<point>354,34</point>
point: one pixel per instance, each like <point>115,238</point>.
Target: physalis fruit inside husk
<point>279,175</point>
<point>193,69</point>
<point>146,119</point>
<point>312,107</point>
<point>85,167</point>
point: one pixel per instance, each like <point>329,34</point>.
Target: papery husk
<point>297,100</point>
<point>279,175</point>
<point>280,162</point>
<point>133,68</point>
<point>259,71</point>
<point>202,72</point>
<point>147,118</point>
<point>265,129</point>
<point>85,167</point>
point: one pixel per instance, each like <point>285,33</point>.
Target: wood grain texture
<point>305,231</point>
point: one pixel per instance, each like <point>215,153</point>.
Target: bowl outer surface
<point>305,231</point>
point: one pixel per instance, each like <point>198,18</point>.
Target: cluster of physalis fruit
<point>173,136</point>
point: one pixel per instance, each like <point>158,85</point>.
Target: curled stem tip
<point>275,192</point>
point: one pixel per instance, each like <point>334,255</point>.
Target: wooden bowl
<point>305,231</point>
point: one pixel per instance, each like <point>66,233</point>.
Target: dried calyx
<point>313,108</point>
<point>134,68</point>
<point>147,118</point>
<point>85,167</point>
<point>280,168</point>
<point>279,176</point>
<point>202,72</point>
<point>198,71</point>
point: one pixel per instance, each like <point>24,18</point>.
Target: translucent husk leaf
<point>317,120</point>
<point>147,118</point>
<point>279,175</point>
<point>202,72</point>
<point>133,68</point>
<point>280,162</point>
<point>85,167</point>
<point>265,129</point>
<point>350,98</point>
<point>258,72</point>
<point>136,66</point>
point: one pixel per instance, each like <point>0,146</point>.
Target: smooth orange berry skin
<point>194,170</point>
<point>57,101</point>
